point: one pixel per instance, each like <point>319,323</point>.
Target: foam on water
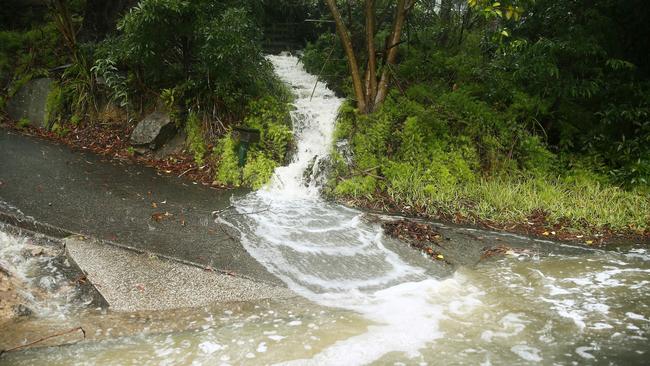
<point>324,252</point>
<point>40,278</point>
<point>327,254</point>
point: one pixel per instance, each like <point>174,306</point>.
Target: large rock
<point>153,131</point>
<point>30,102</point>
<point>174,146</point>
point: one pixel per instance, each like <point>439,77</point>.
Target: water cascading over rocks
<point>326,252</point>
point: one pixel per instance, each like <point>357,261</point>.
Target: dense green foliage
<point>200,61</point>
<point>208,52</point>
<point>498,117</point>
<point>269,115</point>
<point>497,110</point>
<point>27,54</point>
<point>195,139</point>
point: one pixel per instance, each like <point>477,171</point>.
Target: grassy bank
<point>446,160</point>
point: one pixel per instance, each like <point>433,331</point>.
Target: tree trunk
<point>342,30</point>
<point>445,20</point>
<point>371,71</point>
<point>403,7</point>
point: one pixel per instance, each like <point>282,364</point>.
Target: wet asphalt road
<point>115,201</point>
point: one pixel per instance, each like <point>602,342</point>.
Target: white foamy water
<point>38,276</point>
<point>370,303</point>
<point>325,252</point>
<point>313,121</point>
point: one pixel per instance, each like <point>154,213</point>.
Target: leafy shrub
<point>106,69</point>
<point>60,130</point>
<point>209,52</point>
<point>326,58</point>
<point>228,172</point>
<point>356,187</point>
<point>258,170</point>
<point>54,105</point>
<point>194,130</point>
<point>23,123</point>
<point>270,115</point>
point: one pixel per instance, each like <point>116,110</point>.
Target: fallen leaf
<point>545,233</point>
<point>154,205</point>
<point>440,256</point>
<point>589,242</point>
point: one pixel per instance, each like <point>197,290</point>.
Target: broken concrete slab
<point>132,281</point>
<point>30,102</point>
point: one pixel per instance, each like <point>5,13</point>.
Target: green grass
<point>581,206</point>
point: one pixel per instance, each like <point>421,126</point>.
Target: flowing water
<point>365,300</point>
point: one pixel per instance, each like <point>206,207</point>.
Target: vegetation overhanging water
<point>367,304</point>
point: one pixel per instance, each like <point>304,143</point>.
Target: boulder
<point>30,102</point>
<point>174,146</point>
<point>153,131</point>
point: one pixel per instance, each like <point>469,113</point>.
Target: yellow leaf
<point>545,233</point>
<point>589,242</point>
<point>440,256</point>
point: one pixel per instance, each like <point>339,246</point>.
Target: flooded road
<point>367,299</point>
<point>553,309</point>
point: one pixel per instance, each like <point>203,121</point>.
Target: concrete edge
<point>32,225</point>
<point>99,298</point>
<point>29,228</point>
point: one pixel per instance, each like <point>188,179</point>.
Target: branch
<point>45,338</point>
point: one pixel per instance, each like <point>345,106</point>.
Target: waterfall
<point>326,252</point>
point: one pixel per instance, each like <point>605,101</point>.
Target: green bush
<point>333,70</point>
<point>258,170</point>
<point>60,130</point>
<point>194,130</point>
<point>54,106</point>
<point>228,171</point>
<point>356,187</point>
<point>209,52</point>
<point>23,123</point>
<point>270,115</point>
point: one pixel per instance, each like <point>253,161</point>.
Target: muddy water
<point>552,309</point>
<point>366,301</point>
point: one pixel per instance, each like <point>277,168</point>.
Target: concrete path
<point>120,202</point>
<point>131,281</point>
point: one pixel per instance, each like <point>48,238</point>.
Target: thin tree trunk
<point>403,7</point>
<point>445,20</point>
<point>342,30</point>
<point>371,84</point>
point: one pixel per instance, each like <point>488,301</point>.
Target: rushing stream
<point>368,302</point>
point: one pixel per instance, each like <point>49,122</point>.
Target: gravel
<point>131,281</point>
